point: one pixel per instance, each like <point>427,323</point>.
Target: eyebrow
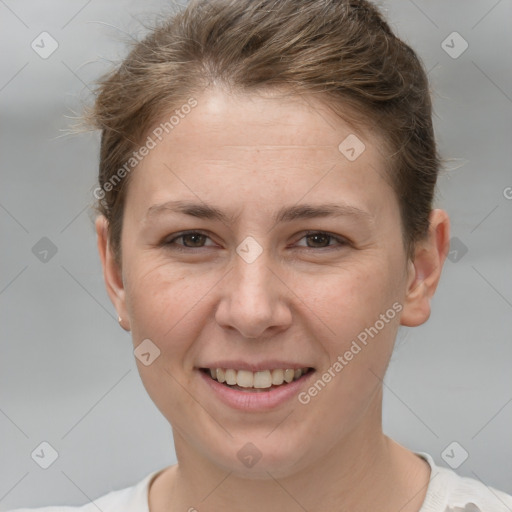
<point>285,214</point>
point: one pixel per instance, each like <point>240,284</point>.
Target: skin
<point>303,299</point>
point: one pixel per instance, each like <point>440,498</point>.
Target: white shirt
<point>446,492</point>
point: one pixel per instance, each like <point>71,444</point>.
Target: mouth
<point>256,382</point>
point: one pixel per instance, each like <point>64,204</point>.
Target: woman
<point>265,225</point>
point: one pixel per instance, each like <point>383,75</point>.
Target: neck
<point>364,471</point>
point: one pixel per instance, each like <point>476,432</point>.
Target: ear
<point>425,270</point>
<point>111,272</point>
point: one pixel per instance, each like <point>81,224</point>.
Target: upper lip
<point>270,364</point>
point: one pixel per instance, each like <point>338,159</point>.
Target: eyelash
<point>170,244</point>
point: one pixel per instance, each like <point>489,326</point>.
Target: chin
<point>262,460</point>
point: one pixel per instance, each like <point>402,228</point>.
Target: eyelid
<point>340,239</point>
<point>167,241</point>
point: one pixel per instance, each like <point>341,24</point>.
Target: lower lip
<point>254,400</point>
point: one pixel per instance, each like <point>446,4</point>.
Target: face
<point>284,252</point>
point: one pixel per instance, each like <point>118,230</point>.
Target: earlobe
<point>112,274</point>
<point>425,271</point>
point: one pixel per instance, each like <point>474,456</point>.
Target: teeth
<point>231,377</point>
<point>244,378</point>
<point>288,375</point>
<point>258,380</point>
<point>262,379</point>
<point>277,377</point>
<point>221,376</point>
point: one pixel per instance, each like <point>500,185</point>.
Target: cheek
<point>164,306</point>
<point>165,302</point>
<point>352,298</point>
<point>360,309</point>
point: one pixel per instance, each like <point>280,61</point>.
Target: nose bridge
<point>252,301</point>
<point>252,278</point>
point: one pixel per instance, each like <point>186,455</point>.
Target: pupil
<point>317,236</point>
<point>195,236</point>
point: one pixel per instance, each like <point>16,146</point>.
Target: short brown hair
<point>343,51</point>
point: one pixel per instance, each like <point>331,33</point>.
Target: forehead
<point>265,122</point>
<point>265,147</point>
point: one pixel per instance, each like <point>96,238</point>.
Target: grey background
<point>67,371</point>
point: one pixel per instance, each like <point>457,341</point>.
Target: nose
<point>255,300</point>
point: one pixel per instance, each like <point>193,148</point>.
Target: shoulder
<point>450,492</point>
<point>129,499</point>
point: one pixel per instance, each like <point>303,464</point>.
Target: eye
<point>197,240</point>
<point>191,239</point>
<point>321,239</point>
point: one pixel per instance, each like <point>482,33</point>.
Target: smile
<point>246,380</point>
